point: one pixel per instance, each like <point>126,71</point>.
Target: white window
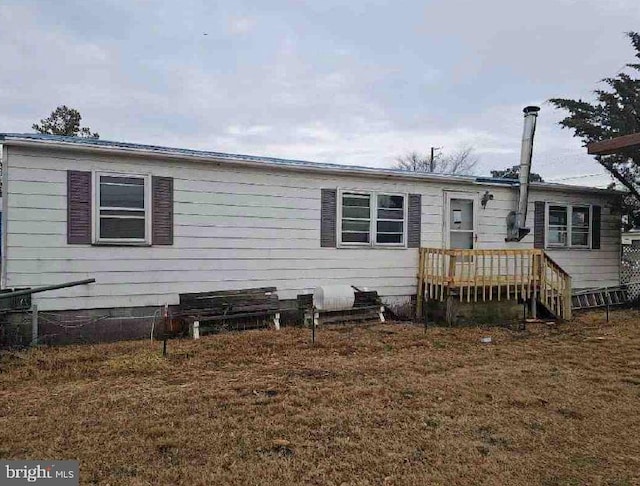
<point>122,208</point>
<point>581,226</point>
<point>372,219</point>
<point>356,218</point>
<point>390,219</point>
<point>568,226</point>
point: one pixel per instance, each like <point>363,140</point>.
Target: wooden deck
<point>498,274</point>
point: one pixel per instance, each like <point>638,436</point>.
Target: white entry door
<point>460,220</point>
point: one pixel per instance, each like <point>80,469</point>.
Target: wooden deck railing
<point>500,274</point>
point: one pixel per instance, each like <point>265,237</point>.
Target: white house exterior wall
<point>238,227</point>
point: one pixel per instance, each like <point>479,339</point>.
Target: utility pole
<point>432,166</point>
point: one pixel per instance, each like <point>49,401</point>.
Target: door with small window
<point>460,220</point>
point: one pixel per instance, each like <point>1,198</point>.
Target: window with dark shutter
<point>596,212</point>
<point>328,214</point>
<point>540,210</point>
<point>78,207</point>
<point>567,226</point>
<point>122,208</point>
<point>414,220</point>
<point>162,212</point>
<point>373,219</point>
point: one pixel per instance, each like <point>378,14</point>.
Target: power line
<point>584,176</point>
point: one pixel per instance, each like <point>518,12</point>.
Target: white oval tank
<point>333,297</point>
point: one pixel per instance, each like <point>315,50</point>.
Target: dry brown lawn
<point>392,404</point>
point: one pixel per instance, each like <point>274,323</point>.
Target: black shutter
<point>328,214</point>
<point>540,209</point>
<point>162,210</point>
<point>597,225</point>
<point>414,220</point>
<point>78,207</point>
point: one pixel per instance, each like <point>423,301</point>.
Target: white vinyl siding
<point>239,227</point>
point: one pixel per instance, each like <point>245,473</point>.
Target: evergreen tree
<point>64,121</point>
<point>514,173</point>
<point>615,112</point>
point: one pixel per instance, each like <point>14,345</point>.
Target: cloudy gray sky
<point>353,82</point>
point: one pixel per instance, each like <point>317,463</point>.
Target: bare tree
<point>460,161</point>
<point>413,162</point>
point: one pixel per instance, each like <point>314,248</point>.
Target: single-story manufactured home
<point>149,223</point>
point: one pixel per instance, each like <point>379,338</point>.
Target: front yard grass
<point>386,404</point>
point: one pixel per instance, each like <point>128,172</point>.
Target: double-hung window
<point>580,226</point>
<point>356,218</point>
<point>390,219</point>
<point>568,226</point>
<point>122,208</point>
<point>372,219</point>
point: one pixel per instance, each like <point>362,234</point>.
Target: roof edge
<point>140,150</point>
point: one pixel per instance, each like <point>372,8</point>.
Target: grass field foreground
<point>387,404</point>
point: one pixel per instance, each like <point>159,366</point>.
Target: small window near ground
<point>122,211</point>
<point>390,219</point>
<point>356,218</point>
<point>569,226</point>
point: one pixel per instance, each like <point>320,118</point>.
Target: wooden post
<point>195,330</point>
<point>506,264</point>
<point>491,278</point>
<point>468,263</point>
<point>313,328</point>
<point>475,275</point>
<point>555,296</point>
<point>419,294</point>
<point>449,310</point>
<point>543,279</point>
<point>535,276</point>
<point>484,271</point>
<point>443,270</point>
<point>513,278</point>
<point>522,285</point>
<point>34,325</point>
<point>432,276</point>
<point>499,275</point>
<point>534,308</point>
<point>567,301</point>
<point>436,261</point>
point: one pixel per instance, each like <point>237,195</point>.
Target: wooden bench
<point>225,305</point>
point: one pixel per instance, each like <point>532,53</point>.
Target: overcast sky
<point>353,82</point>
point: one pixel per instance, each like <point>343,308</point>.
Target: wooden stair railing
<point>555,288</point>
<point>496,274</point>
